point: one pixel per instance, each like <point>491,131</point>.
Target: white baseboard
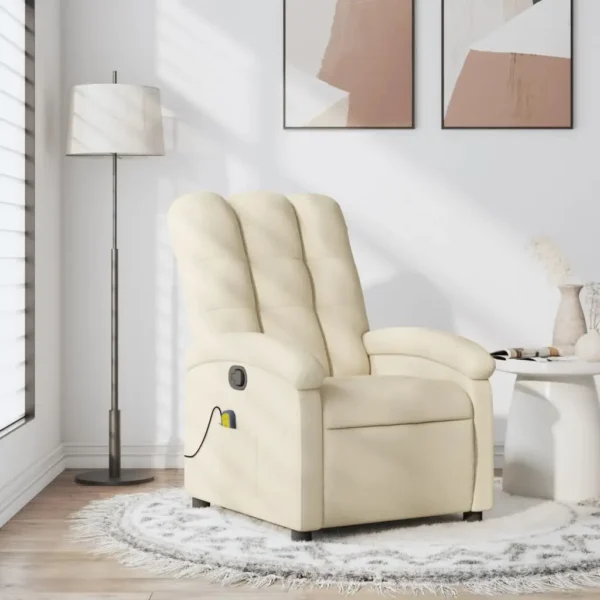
<point>86,456</point>
<point>95,456</point>
<point>28,484</point>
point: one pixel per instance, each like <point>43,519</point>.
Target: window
<point>16,211</point>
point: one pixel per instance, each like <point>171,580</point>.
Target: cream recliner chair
<point>336,424</point>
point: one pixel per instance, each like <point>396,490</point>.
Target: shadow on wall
<point>86,252</point>
<point>216,132</point>
<point>222,81</point>
<point>439,214</point>
<point>403,296</point>
<point>408,299</point>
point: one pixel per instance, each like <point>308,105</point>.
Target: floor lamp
<point>115,120</point>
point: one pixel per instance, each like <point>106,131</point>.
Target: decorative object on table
<point>523,546</point>
<point>507,64</point>
<point>552,447</point>
<point>588,346</point>
<point>348,64</point>
<point>569,324</point>
<point>314,390</point>
<point>541,354</point>
<point>115,120</point>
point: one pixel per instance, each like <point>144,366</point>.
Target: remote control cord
<point>212,412</point>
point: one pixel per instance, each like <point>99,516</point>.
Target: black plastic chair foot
<point>301,536</point>
<point>472,517</point>
<point>197,503</point>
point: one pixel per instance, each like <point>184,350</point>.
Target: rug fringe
<point>89,526</point>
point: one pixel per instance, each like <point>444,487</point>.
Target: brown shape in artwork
<point>370,55</point>
<point>511,90</point>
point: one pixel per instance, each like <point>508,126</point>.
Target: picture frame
<point>464,106</point>
<point>323,88</point>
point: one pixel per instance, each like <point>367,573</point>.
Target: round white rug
<point>523,545</point>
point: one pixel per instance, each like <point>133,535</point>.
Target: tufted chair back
<point>283,266</point>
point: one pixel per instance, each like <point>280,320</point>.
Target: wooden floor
<point>37,562</point>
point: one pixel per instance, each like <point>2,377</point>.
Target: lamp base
<point>102,477</point>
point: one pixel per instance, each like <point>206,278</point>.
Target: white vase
<point>569,324</point>
<point>588,346</point>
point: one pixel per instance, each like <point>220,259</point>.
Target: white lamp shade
<point>115,118</point>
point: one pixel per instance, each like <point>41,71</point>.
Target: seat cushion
<point>372,400</point>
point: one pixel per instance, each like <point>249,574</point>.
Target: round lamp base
<point>126,477</point>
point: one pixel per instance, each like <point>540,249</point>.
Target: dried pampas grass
<point>556,264</point>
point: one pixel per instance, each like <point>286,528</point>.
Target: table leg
<point>552,447</point>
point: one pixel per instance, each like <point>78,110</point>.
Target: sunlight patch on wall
<point>170,338</point>
<point>213,87</point>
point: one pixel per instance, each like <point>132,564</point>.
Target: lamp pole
<point>115,476</point>
<point>114,444</point>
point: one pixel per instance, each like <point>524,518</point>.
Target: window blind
<point>16,210</point>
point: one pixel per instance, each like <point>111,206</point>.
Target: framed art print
<point>348,64</point>
<point>507,64</point>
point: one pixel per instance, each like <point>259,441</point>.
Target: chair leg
<point>301,536</point>
<point>472,517</point>
<point>197,503</point>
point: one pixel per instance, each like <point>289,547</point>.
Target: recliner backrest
<point>268,263</point>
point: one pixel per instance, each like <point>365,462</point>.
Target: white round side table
<point>552,447</point>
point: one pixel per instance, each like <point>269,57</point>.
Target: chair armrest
<point>442,347</point>
<point>298,367</point>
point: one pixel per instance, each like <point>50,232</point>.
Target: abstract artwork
<point>348,63</point>
<point>507,64</point>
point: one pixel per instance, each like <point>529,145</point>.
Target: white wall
<point>439,220</point>
<point>32,456</point>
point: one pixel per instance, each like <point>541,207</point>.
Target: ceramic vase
<point>588,346</point>
<point>569,324</point>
